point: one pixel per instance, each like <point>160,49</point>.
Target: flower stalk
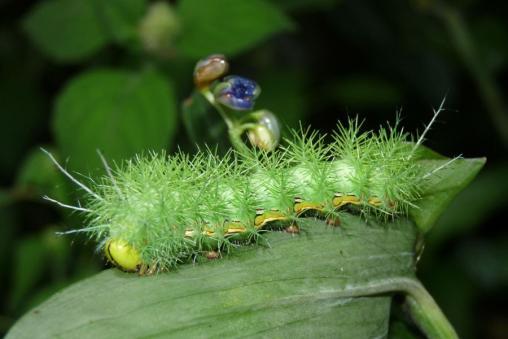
<point>233,98</point>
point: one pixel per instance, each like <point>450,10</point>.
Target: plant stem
<point>427,315</point>
<point>423,309</point>
<point>235,129</point>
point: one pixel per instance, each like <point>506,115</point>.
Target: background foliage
<point>77,76</point>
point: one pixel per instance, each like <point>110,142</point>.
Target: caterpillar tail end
<point>123,255</point>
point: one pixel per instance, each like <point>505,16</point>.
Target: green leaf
<point>425,153</point>
<point>66,30</point>
<point>442,187</point>
<point>5,198</point>
<point>324,282</point>
<point>29,265</point>
<point>38,176</point>
<point>120,18</point>
<point>227,26</point>
<point>72,30</point>
<point>119,112</point>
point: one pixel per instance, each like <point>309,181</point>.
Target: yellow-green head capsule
<point>122,255</point>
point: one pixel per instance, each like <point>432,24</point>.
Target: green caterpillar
<point>155,212</point>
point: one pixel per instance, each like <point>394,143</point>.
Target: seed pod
<point>209,69</point>
<point>266,133</point>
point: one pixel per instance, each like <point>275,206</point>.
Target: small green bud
<point>209,69</point>
<point>266,133</point>
<point>159,28</point>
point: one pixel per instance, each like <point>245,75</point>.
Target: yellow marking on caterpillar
<point>122,255</point>
<point>301,206</point>
<point>340,200</point>
<point>190,233</point>
<point>234,227</point>
<point>230,228</point>
<point>375,201</point>
<point>265,217</point>
<point>208,232</point>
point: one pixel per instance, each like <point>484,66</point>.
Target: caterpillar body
<point>155,212</point>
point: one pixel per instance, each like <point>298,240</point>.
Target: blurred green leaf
<point>227,26</point>
<point>66,30</point>
<point>121,113</point>
<point>72,30</point>
<point>38,176</point>
<point>5,198</point>
<point>442,187</point>
<point>28,268</point>
<point>59,252</point>
<point>120,18</point>
<point>289,289</point>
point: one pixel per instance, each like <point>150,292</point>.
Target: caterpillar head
<point>122,255</point>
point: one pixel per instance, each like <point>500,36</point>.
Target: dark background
<point>81,75</point>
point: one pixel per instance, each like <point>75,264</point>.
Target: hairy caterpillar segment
<point>157,212</point>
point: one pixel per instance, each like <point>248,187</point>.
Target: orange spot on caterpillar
<point>146,270</point>
<point>212,255</point>
<point>293,229</point>
<point>333,221</point>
